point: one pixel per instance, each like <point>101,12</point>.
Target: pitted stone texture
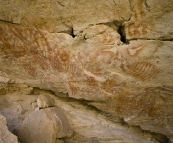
<point>5,135</point>
<point>44,125</point>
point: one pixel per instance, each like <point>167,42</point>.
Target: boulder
<point>5,135</point>
<point>45,125</point>
<point>45,101</point>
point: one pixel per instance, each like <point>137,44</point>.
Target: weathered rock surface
<point>150,20</point>
<point>5,135</point>
<point>44,125</point>
<point>113,56</point>
<point>90,126</point>
<point>16,104</point>
<point>44,101</point>
<point>61,16</point>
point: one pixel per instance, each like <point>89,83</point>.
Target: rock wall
<point>106,66</point>
<point>5,135</point>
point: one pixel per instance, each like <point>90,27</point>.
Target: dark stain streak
<point>114,2</point>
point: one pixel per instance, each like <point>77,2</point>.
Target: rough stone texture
<point>113,56</point>
<point>5,135</point>
<point>150,20</point>
<point>60,16</point>
<point>90,126</point>
<point>44,101</point>
<point>16,103</point>
<point>44,125</point>
<point>93,125</point>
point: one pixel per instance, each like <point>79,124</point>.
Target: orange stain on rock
<point>59,60</point>
<point>74,89</point>
<point>91,82</point>
<point>139,29</point>
<point>30,70</point>
<point>139,10</point>
<point>64,56</point>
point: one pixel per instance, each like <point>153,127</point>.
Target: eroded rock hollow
<point>86,71</point>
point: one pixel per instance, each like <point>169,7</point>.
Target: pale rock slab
<point>44,125</point>
<point>92,125</point>
<point>5,135</point>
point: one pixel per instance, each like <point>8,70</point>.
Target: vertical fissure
<point>121,31</point>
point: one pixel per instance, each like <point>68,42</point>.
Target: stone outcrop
<point>45,125</point>
<point>5,135</point>
<point>106,64</point>
<point>88,124</point>
<point>44,101</point>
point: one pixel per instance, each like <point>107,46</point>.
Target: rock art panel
<point>139,30</point>
<point>142,70</point>
<point>46,62</point>
<point>149,109</point>
<point>148,19</point>
<point>33,58</point>
<point>76,48</point>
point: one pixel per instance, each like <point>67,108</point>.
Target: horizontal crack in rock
<point>85,103</point>
<point>159,39</point>
<point>1,20</point>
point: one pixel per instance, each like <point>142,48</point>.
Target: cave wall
<point>107,64</point>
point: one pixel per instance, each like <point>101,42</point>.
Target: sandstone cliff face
<point>105,65</point>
